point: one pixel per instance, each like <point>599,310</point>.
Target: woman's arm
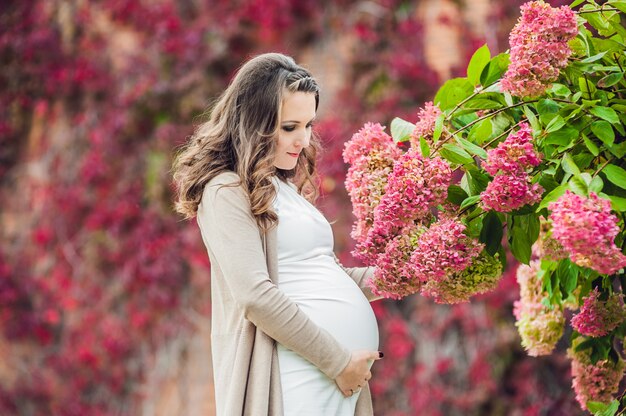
<point>233,236</point>
<point>361,275</point>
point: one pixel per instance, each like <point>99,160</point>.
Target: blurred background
<point>105,291</point>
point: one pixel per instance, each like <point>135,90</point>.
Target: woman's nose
<point>303,140</point>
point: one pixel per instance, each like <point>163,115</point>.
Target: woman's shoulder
<point>226,180</point>
<point>227,177</point>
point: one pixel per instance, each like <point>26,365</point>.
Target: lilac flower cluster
<point>594,382</point>
<point>511,188</point>
<point>393,231</point>
<point>480,276</point>
<point>415,184</point>
<point>514,155</point>
<point>443,249</point>
<point>540,327</point>
<point>539,48</point>
<point>425,125</point>
<point>371,153</point>
<point>586,228</point>
<point>392,276</point>
<point>599,317</point>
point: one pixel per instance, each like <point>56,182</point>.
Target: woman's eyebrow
<point>297,121</point>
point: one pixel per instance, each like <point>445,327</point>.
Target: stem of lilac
<point>616,56</point>
<point>601,167</point>
<point>600,10</point>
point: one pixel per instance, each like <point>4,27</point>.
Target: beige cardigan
<point>249,312</point>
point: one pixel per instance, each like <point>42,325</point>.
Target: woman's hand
<point>357,372</point>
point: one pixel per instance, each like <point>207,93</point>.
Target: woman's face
<point>294,132</point>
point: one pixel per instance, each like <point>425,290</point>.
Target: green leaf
<point>455,154</point>
<point>480,132</point>
<point>438,127</point>
<point>555,124</point>
<point>553,195</point>
<point>578,185</point>
<point>567,274</point>
<point>401,130</point>
<point>601,409</point>
<point>479,61</point>
<point>615,175</point>
<point>576,3</point>
<point>547,106</point>
<point>593,58</point>
<point>520,245</point>
<point>562,137</point>
<point>470,200</point>
<point>453,92</point>
<point>596,184</point>
<point>560,90</point>
<point>532,119</point>
<point>477,181</point>
<point>569,165</point>
<point>610,80</point>
<point>456,194</point>
<point>424,147</point>
<point>619,150</point>
<point>591,145</point>
<point>494,70</point>
<point>472,148</point>
<point>491,233</point>
<point>618,4</point>
<point>603,131</point>
<point>617,203</point>
<point>605,113</point>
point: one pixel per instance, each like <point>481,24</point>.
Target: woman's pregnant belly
<point>331,299</point>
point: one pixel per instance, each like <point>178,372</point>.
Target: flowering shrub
<point>537,132</point>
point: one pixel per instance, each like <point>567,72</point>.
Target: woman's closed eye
<point>290,128</point>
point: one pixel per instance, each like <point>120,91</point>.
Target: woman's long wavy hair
<point>241,135</point>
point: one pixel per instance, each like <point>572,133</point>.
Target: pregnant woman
<point>292,330</point>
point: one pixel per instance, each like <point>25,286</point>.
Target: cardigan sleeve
<point>361,275</point>
<point>233,236</point>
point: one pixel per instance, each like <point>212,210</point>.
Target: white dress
<point>310,276</point>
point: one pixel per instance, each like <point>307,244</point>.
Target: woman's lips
<point>293,154</point>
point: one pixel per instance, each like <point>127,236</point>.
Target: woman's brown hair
<point>240,136</point>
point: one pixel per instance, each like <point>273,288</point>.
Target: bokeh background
<point>104,290</point>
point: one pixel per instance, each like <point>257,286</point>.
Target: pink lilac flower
<point>597,382</point>
<point>481,276</point>
<point>443,249</point>
<point>425,125</point>
<point>392,279</point>
<point>415,184</point>
<point>370,139</point>
<point>371,153</point>
<point>539,48</point>
<point>540,327</point>
<point>599,317</point>
<point>513,155</point>
<point>365,183</point>
<point>509,192</point>
<point>586,228</point>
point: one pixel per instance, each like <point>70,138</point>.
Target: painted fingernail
<point>380,354</point>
